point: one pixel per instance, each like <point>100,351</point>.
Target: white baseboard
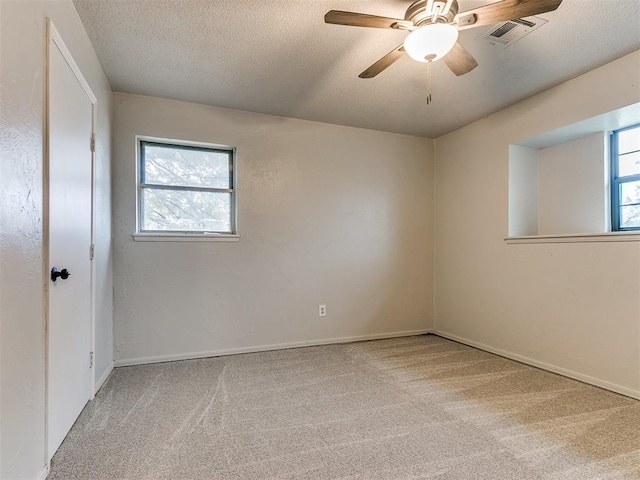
<point>544,366</point>
<point>264,348</point>
<point>103,378</point>
<point>43,473</point>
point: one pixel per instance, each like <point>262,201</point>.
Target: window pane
<point>630,193</point>
<point>186,167</point>
<point>630,216</point>
<point>629,164</point>
<point>190,211</point>
<point>629,140</point>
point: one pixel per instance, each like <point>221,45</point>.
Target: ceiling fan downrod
<point>438,8</point>
<point>425,12</point>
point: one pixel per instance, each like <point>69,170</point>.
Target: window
<point>186,188</point>
<point>625,178</point>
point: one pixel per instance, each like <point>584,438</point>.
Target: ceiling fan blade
<point>339,17</point>
<point>383,63</point>
<point>504,10</point>
<point>459,60</point>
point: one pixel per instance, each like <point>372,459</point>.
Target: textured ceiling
<point>279,57</point>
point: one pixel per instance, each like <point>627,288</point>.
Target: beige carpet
<point>408,408</point>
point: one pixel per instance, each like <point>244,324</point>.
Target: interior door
<point>70,123</point>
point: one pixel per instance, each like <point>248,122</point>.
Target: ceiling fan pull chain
<point>429,82</point>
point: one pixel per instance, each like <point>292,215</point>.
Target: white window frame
<point>179,235</point>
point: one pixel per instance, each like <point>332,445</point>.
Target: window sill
<point>633,236</point>
<point>185,237</point>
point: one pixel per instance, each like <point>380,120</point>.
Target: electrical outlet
<point>322,310</point>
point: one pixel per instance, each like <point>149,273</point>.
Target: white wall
<point>22,57</point>
<point>523,190</point>
<point>572,186</point>
<point>327,215</point>
<point>572,306</point>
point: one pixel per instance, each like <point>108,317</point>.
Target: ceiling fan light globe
<point>431,42</point>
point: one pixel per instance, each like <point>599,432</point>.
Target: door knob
<point>63,274</point>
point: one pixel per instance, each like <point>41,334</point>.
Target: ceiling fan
<point>434,26</point>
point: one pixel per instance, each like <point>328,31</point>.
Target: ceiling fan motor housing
<point>422,12</point>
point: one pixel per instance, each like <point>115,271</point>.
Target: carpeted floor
<point>407,408</point>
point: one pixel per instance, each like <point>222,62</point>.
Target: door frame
<point>54,40</point>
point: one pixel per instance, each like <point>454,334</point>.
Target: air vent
<point>509,32</point>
